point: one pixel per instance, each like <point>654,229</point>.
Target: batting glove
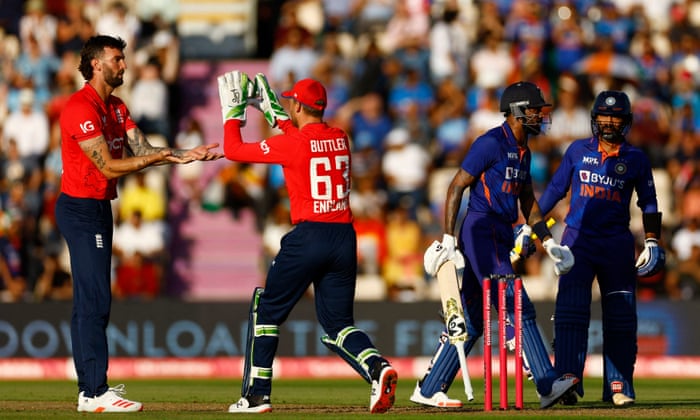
<point>267,101</point>
<point>449,242</point>
<point>652,259</point>
<point>435,256</point>
<point>234,89</point>
<point>561,255</point>
<point>524,245</point>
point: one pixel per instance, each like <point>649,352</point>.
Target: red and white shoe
<point>109,402</point>
<point>383,393</point>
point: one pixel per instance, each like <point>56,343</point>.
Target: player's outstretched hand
<point>652,259</point>
<point>561,255</point>
<point>267,101</point>
<point>234,89</point>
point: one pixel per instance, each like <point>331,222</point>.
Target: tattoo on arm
<point>139,145</point>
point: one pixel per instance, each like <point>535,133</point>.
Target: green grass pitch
<point>335,399</point>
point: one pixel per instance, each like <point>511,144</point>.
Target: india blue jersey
<point>601,187</point>
<point>501,168</point>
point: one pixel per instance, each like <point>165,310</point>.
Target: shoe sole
<point>556,400</point>
<point>388,382</point>
<point>265,408</point>
<point>443,404</point>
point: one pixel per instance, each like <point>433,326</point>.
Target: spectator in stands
<point>368,72</point>
<point>407,24</point>
<point>491,65</point>
<point>139,249</point>
<point>369,122</point>
<point>403,267</point>
<point>571,118</point>
<point>405,167</point>
<point>190,175</point>
<point>35,70</point>
<point>450,123</point>
<point>684,279</point>
<point>30,130</point>
<point>13,285</point>
<point>38,24</point>
<point>450,46</point>
<point>72,28</point>
<point>291,61</point>
<point>568,38</point>
<point>149,100</point>
<point>139,195</point>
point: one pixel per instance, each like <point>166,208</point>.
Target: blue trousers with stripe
<point>322,254</point>
<point>87,226</point>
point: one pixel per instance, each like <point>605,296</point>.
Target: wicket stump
<point>503,349</point>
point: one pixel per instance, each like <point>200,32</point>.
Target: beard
<point>114,79</point>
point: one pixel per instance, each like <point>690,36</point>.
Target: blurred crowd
<point>413,82</point>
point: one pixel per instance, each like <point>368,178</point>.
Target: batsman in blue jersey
<point>497,172</point>
<point>602,172</point>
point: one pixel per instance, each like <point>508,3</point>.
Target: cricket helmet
<point>613,103</point>
<point>519,96</point>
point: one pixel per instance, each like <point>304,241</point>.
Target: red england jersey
<point>86,116</point>
<point>316,164</point>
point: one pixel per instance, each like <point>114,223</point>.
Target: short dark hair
<point>94,48</point>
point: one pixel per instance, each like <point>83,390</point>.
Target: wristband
<point>541,230</point>
<point>652,223</point>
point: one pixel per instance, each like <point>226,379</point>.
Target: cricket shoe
<point>383,391</point>
<point>570,398</point>
<point>251,404</point>
<point>109,402</point>
<point>560,387</point>
<point>439,399</point>
<point>621,400</point>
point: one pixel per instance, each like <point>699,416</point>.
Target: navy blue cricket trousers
<point>87,226</point>
<point>324,254</point>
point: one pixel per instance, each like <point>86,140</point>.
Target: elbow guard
<point>652,223</point>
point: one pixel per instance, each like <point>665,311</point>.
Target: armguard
<point>541,230</point>
<point>652,223</point>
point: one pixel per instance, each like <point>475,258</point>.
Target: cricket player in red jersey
<point>321,249</point>
<point>100,143</point>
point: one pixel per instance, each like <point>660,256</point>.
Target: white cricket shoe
<point>621,400</point>
<point>109,402</point>
<point>251,404</point>
<point>383,391</point>
<point>439,399</point>
<point>560,388</point>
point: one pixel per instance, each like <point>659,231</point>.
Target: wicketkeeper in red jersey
<point>100,143</point>
<point>321,249</point>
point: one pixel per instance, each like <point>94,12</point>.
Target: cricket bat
<point>454,318</point>
<point>515,252</point>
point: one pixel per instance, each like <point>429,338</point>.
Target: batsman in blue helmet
<point>496,170</point>
<point>602,172</point>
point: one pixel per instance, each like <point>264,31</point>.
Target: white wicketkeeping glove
<point>234,89</point>
<point>267,101</point>
<point>561,255</point>
<point>449,242</point>
<point>434,257</point>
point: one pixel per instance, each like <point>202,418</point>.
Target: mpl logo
<point>87,126</point>
<point>590,160</point>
